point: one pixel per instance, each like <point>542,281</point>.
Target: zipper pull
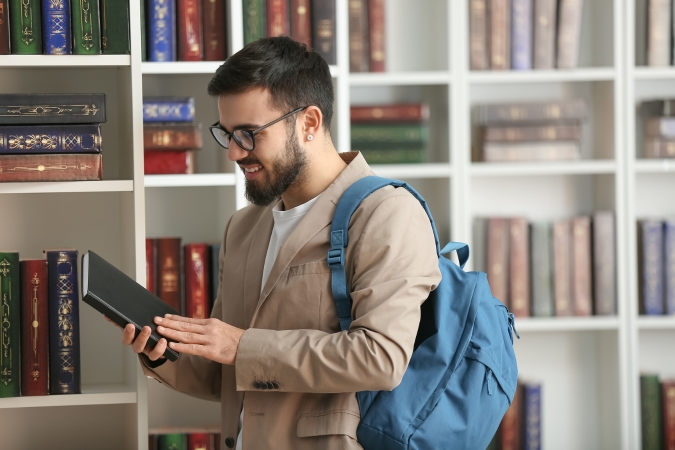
<point>488,379</point>
<point>512,326</point>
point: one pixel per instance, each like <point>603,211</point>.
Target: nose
<point>235,153</point>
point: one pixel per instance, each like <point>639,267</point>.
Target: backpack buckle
<point>512,325</point>
<point>336,257</point>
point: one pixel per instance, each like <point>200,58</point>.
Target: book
<point>521,34</point>
<point>160,162</point>
<point>651,277</point>
<point>532,112</point>
<point>4,27</point>
<point>480,244</point>
<point>400,112</point>
<point>10,325</point>
<point>376,33</point>
<point>189,28</point>
<point>115,35</point>
<point>34,327</point>
<point>26,139</point>
<point>172,136</point>
<point>168,109</point>
<point>64,322</point>
<point>169,286</point>
<point>541,256</point>
<point>497,258</point>
<point>581,266</point>
<point>278,23</point>
<point>650,409</point>
<point>669,265</point>
<point>172,441</point>
<point>215,24</point>
<point>117,296</point>
<point>255,20</point>
<point>478,39</point>
<point>562,292</point>
<point>25,27</point>
<point>86,27</point>
<point>544,24</point>
<point>532,133</point>
<point>151,265</point>
<point>56,27</point>
<point>196,266</point>
<point>569,33</point>
<point>144,33</point>
<point>511,428</point>
<point>668,402</point>
<point>660,127</point>
<point>359,53</point>
<point>532,415</point>
<point>51,167</point>
<point>385,135</point>
<point>531,151</point>
<point>323,29</point>
<point>604,262</point>
<point>394,155</point>
<point>301,22</point>
<point>519,267</point>
<point>500,34</point>
<point>199,441</point>
<point>659,147</point>
<point>661,107</point>
<point>37,109</point>
<point>161,31</point>
<point>214,276</point>
<point>658,33</point>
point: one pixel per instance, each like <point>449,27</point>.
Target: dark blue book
<point>64,323</point>
<point>521,34</point>
<point>215,272</point>
<point>16,139</point>
<point>651,272</point>
<point>161,34</point>
<point>532,401</point>
<point>669,265</point>
<point>168,109</point>
<point>56,30</point>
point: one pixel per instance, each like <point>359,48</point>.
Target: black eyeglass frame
<point>251,133</point>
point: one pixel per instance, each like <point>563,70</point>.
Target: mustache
<point>248,161</point>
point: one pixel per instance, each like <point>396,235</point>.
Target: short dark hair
<point>294,75</point>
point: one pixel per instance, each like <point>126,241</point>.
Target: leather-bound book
<point>532,133</point>
<point>386,135</point>
<point>255,20</point>
<point>144,32</point>
<point>161,32</point>
<point>519,267</point>
<point>168,109</point>
<point>25,27</point>
<point>531,151</point>
<point>34,327</point>
<point>35,109</point>
<point>650,406</point>
<point>190,47</point>
<point>581,266</point>
<point>659,147</point>
<point>115,34</point>
<point>169,272</point>
<point>511,428</point>
<point>64,322</point>
<point>650,242</point>
<point>323,29</point>
<point>278,23</point>
<point>56,27</point>
<point>376,25</point>
<point>4,27</point>
<point>169,162</point>
<point>196,266</point>
<point>531,415</point>
<point>400,112</point>
<point>10,325</point>
<point>151,265</point>
<point>669,265</point>
<point>542,281</point>
<point>200,441</point>
<point>86,27</point>
<point>545,15</point>
<point>569,33</point>
<point>172,136</point>
<point>152,438</point>
<point>500,34</point>
<point>301,22</point>
<point>27,139</point>
<point>478,39</point>
<point>214,26</point>
<point>562,291</point>
<point>521,34</point>
<point>216,441</point>
<point>359,53</point>
<point>214,274</point>
<point>54,167</point>
<point>572,110</point>
<point>668,401</point>
<point>658,32</point>
<point>604,263</point>
<point>172,441</point>
<point>497,258</point>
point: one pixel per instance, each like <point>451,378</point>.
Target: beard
<point>288,168</point>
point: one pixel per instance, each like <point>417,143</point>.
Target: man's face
<point>278,160</point>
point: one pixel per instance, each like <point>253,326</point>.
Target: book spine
<point>158,162</point>
<point>533,112</point>
<point>56,27</point>
<point>658,33</point>
<point>189,14</point>
<point>199,441</point>
<point>561,268</point>
<point>196,281</point>
<point>478,40</point>
<point>604,261</point>
<point>376,32</point>
<point>660,148</point>
<point>359,59</point>
<point>86,27</point>
<point>215,40</point>
<point>652,267</point>
<point>511,428</point>
<point>255,23</point>
<point>25,27</point>
<point>215,274</point>
<point>389,113</point>
<point>10,320</point>
<point>394,155</point>
<point>115,34</point>
<point>415,134</point>
<point>519,270</point>
<point>660,126</point>
<point>169,272</point>
<point>4,27</point>
<point>581,266</point>
<point>64,323</point>
<point>172,137</point>
<point>531,151</point>
<point>650,406</point>
<point>169,111</point>
<point>34,328</point>
<point>669,265</point>
<point>532,416</point>
<point>541,257</point>
<point>161,30</point>
<point>497,258</point>
<point>500,34</point>
<point>50,139</point>
<point>33,109</point>
<point>172,441</point>
<point>521,30</point>
<point>532,133</point>
<point>51,167</point>
<point>323,29</point>
<point>144,32</point>
<point>668,402</point>
<point>569,32</point>
<point>545,14</point>
<point>301,22</point>
<point>151,265</point>
<point>278,23</point>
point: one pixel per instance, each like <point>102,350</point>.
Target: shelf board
<point>432,170</point>
<point>592,323</point>
<point>91,395</point>
<point>654,73</point>
<point>65,60</point>
<point>399,78</point>
<point>193,180</point>
<point>191,67</point>
<point>67,186</point>
<point>656,322</point>
<point>655,166</point>
<point>486,169</point>
<point>541,76</point>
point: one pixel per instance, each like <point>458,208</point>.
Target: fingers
<point>158,351</point>
<point>138,344</point>
<point>177,318</point>
<point>190,349</point>
<point>186,337</point>
<point>128,334</point>
<point>184,324</point>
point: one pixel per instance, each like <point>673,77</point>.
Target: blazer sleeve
<point>395,268</point>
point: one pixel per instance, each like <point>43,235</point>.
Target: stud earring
<point>310,137</point>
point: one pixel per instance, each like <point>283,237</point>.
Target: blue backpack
<point>462,375</point>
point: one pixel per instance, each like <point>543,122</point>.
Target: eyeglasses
<point>244,138</point>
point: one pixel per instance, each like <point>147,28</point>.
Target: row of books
<point>659,116</point>
<point>521,426</point>
<point>534,131</point>
<point>542,269</point>
<point>524,34</point>
<point>184,439</point>
<point>657,405</point>
<point>366,36</point>
<point>186,280</point>
<point>656,248</point>
<point>64,27</point>
<point>659,33</point>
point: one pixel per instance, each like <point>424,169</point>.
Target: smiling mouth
<point>252,169</point>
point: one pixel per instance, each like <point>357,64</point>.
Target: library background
<point>541,132</point>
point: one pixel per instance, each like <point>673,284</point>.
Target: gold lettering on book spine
<point>64,286</point>
<point>6,351</point>
<point>87,24</point>
<point>35,325</point>
<point>26,22</point>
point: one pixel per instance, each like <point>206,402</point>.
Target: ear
<point>311,123</point>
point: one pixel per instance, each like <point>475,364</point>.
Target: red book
<point>668,392</point>
<point>51,167</point>
<point>216,441</point>
<point>196,264</point>
<point>190,46</point>
<point>169,162</point>
<point>510,429</point>
<point>200,441</point>
<point>415,112</point>
<point>168,272</point>
<point>215,41</point>
<point>151,265</point>
<point>4,27</point>
<point>34,327</point>
<point>301,23</point>
<point>519,268</point>
<point>277,18</point>
<point>377,36</point>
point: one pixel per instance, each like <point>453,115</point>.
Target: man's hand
<point>140,343</point>
<point>210,338</point>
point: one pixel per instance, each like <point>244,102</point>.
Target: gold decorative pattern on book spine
<point>35,325</point>
<point>87,24</point>
<point>162,30</point>
<point>48,110</point>
<point>6,351</point>
<point>45,168</point>
<point>64,286</point>
<point>57,26</point>
<point>26,22</point>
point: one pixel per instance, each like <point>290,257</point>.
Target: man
<point>272,352</point>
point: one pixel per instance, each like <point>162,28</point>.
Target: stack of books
<point>525,34</point>
<point>170,136</point>
<point>657,404</point>
<point>659,116</point>
<point>366,36</point>
<point>51,137</point>
<point>521,426</point>
<point>53,27</point>
<point>184,439</point>
<point>542,269</point>
<point>541,131</point>
<point>656,250</point>
<point>391,134</point>
<point>659,33</point>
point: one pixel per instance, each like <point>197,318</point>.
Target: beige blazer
<point>293,346</point>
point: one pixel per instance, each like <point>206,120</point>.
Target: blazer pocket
<point>313,268</point>
<point>328,423</point>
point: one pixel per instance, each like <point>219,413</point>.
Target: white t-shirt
<point>284,224</point>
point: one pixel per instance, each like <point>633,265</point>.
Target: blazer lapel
<point>255,263</point>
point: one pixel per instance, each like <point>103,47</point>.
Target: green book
<point>394,155</point>
<point>25,27</point>
<point>144,45</point>
<point>86,27</point>
<point>650,403</point>
<point>173,441</point>
<point>10,321</point>
<point>385,135</point>
<point>255,20</point>
<point>115,27</point>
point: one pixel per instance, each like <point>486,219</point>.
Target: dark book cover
<point>25,27</point>
<point>121,299</point>
<point>255,20</point>
<point>562,265</point>
<point>172,136</point>
<point>169,286</point>
<point>190,45</point>
<point>519,267</point>
<point>34,327</point>
<point>214,27</point>
<point>10,325</point>
<point>500,34</point>
<point>532,416</point>
<point>401,112</point>
<point>650,406</point>
<point>64,322</point>
<point>144,32</point>
<point>478,38</point>
<point>541,257</point>
<point>651,270</point>
<point>668,402</point>
<point>27,139</point>
<point>278,23</point>
<point>323,29</point>
<point>535,133</point>
<point>151,265</point>
<point>581,266</point>
<point>115,35</point>
<point>385,135</point>
<point>4,27</point>
<point>51,167</point>
<point>604,263</point>
<point>161,30</point>
<point>359,53</point>
<point>376,44</point>
<point>215,274</point>
<point>521,34</point>
<point>511,429</point>
<point>532,112</point>
<point>168,109</point>
<point>38,109</point>
<point>196,267</point>
<point>545,18</point>
<point>669,265</point>
<point>301,22</point>
<point>170,162</point>
<point>497,258</point>
<point>173,441</point>
<point>86,27</point>
<point>56,27</point>
<point>569,33</point>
